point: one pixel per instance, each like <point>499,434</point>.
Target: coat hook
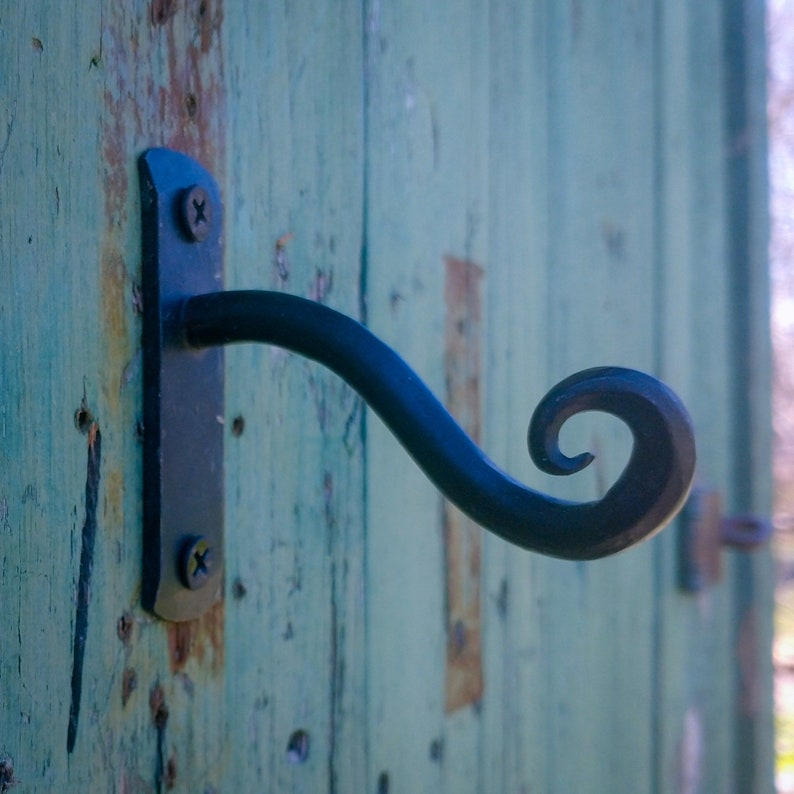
<point>187,321</point>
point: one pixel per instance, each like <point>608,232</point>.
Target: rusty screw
<point>196,212</point>
<point>197,563</point>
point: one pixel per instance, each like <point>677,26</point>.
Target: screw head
<point>197,563</point>
<point>196,212</point>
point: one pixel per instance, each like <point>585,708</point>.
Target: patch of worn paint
<point>321,285</point>
<point>163,86</point>
<point>114,497</point>
<point>463,303</point>
<point>280,258</point>
<point>193,95</point>
<point>115,325</point>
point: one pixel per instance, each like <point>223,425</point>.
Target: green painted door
<point>505,192</point>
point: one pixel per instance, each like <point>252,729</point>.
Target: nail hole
<point>238,426</point>
<point>158,708</point>
<point>83,418</point>
<point>124,627</point>
<point>298,747</point>
<point>169,774</point>
<point>436,750</point>
<point>129,683</point>
<point>191,105</point>
<point>238,589</point>
<point>383,783</point>
<point>162,11</point>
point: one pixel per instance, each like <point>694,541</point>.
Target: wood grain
<point>579,154</point>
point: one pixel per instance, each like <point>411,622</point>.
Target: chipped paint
<point>163,87</point>
<point>463,303</point>
<point>321,285</point>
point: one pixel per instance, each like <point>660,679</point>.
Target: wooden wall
<point>506,192</point>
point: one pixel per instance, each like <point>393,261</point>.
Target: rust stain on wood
<point>163,86</point>
<point>201,639</point>
<point>463,363</point>
<point>192,98</point>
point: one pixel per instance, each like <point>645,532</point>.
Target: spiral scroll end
<point>543,434</point>
<point>657,478</point>
<point>548,458</point>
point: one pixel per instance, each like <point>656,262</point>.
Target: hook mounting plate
<point>183,505</point>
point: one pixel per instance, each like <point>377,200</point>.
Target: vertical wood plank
<point>600,214</point>
<point>745,74</point>
<point>516,743</point>
<point>426,199</point>
<point>296,659</point>
<point>696,666</point>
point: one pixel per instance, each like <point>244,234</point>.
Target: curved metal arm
<point>650,491</point>
<point>183,513</point>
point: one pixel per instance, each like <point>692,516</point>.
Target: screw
<point>197,563</point>
<point>196,212</point>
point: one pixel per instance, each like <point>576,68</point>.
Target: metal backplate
<point>183,390</point>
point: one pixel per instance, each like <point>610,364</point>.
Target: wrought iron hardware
<point>183,498</point>
<point>187,320</point>
<point>705,530</point>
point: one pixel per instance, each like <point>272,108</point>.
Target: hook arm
<point>647,495</point>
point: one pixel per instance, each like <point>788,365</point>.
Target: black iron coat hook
<point>187,320</point>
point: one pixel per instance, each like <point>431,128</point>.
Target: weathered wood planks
<point>600,171</point>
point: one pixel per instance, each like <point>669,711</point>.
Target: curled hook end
<point>549,459</point>
<point>658,476</point>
